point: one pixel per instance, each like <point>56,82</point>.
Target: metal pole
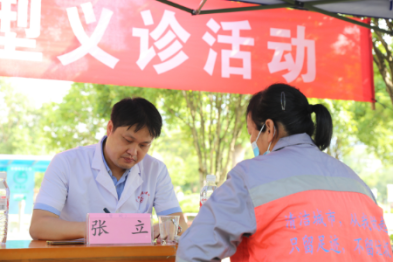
<point>200,7</point>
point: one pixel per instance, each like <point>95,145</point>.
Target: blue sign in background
<point>20,180</point>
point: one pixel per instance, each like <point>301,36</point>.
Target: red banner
<point>148,44</point>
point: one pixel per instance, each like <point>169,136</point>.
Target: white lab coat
<point>77,182</point>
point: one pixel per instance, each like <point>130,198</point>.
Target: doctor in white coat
<point>117,174</point>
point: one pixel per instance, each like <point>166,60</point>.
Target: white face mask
<point>255,147</point>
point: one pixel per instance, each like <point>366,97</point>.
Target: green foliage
<point>190,203</point>
<point>75,121</point>
<point>344,126</point>
<point>20,132</point>
<point>179,158</point>
<point>377,178</point>
<point>214,122</point>
<point>382,53</point>
<point>362,137</point>
<point>81,118</point>
<point>375,173</point>
<point>356,123</point>
<point>207,125</point>
<point>199,134</point>
<point>375,127</point>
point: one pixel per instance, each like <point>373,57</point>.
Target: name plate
<point>118,228</point>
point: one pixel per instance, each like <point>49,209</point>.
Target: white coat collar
<point>103,177</point>
<point>133,182</point>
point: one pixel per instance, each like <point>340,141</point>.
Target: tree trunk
<point>238,154</point>
<point>383,56</point>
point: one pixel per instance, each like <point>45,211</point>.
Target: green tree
<point>374,128</point>
<point>362,136</point>
<point>214,121</point>
<point>20,132</point>
<point>375,173</point>
<point>344,126</point>
<point>210,122</point>
<point>180,159</point>
<point>75,121</point>
<point>357,123</point>
<point>383,54</point>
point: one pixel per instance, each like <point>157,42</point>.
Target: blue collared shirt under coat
<point>119,184</point>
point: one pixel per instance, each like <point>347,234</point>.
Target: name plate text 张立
<point>117,228</point>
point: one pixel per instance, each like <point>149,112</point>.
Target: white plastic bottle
<point>4,207</point>
<point>207,190</point>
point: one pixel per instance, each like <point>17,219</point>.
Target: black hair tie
<point>310,109</point>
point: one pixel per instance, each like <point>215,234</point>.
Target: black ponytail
<point>324,126</point>
<point>294,113</point>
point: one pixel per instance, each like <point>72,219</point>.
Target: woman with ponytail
<point>291,202</point>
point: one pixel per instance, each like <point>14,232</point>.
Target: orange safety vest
<point>294,204</point>
<point>318,225</point>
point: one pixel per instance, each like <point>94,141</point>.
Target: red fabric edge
<point>367,64</point>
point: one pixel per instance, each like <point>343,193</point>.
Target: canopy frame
<point>310,5</point>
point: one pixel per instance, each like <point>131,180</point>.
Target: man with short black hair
<point>117,174</point>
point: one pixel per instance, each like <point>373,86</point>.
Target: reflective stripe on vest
<point>315,218</point>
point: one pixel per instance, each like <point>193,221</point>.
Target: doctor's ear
<point>109,128</point>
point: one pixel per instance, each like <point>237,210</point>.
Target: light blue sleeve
<point>47,208</point>
<point>222,221</point>
<point>165,200</point>
<point>169,211</point>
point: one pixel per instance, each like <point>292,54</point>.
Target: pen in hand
<point>106,210</point>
